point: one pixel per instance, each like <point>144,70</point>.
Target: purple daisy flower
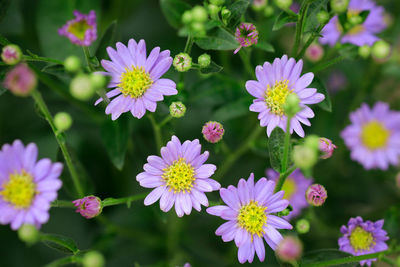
<point>359,34</point>
<point>249,213</point>
<point>136,78</point>
<point>274,83</point>
<point>27,187</point>
<point>179,177</point>
<point>295,187</point>
<point>82,30</point>
<point>374,136</point>
<point>361,238</point>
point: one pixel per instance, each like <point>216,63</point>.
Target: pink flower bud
<point>289,249</point>
<point>246,34</point>
<point>316,195</point>
<point>11,54</point>
<point>213,131</point>
<point>20,80</point>
<point>314,52</point>
<point>89,207</point>
<point>326,147</point>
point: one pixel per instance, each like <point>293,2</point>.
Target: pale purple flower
<point>89,207</point>
<point>374,136</point>
<point>289,249</point>
<point>246,34</point>
<point>82,30</point>
<point>136,79</point>
<point>249,212</point>
<point>316,195</point>
<point>360,238</point>
<point>326,147</point>
<point>360,34</point>
<point>295,187</point>
<point>21,80</point>
<point>27,186</point>
<point>274,83</point>
<point>179,177</point>
<point>213,131</point>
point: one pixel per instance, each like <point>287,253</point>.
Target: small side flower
<point>82,30</point>
<point>89,207</point>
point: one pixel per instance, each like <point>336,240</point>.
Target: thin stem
<point>165,121</point>
<point>282,178</point>
<point>311,39</point>
<point>246,62</point>
<point>60,140</point>
<point>125,200</point>
<point>285,160</point>
<point>87,56</point>
<point>325,65</point>
<point>64,261</point>
<point>62,204</point>
<point>189,44</point>
<point>42,59</point>
<point>157,131</point>
<point>299,26</point>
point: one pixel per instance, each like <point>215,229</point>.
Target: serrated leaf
<point>212,68</point>
<point>233,110</point>
<point>61,243</point>
<point>276,143</point>
<point>217,39</point>
<point>173,10</point>
<point>318,84</point>
<point>106,40</point>
<point>323,255</point>
<point>267,47</point>
<point>283,19</point>
<point>237,8</point>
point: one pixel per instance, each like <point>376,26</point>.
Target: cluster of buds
<point>195,19</point>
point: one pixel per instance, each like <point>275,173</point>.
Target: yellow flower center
<point>79,29</point>
<point>252,218</point>
<point>275,97</point>
<point>374,135</point>
<point>179,176</point>
<point>361,239</point>
<point>289,187</point>
<point>135,82</point>
<point>19,190</point>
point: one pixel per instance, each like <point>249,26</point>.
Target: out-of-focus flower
<point>82,30</point>
<point>326,147</point>
<point>289,249</point>
<point>381,50</point>
<point>357,34</point>
<point>249,213</point>
<point>136,79</point>
<point>294,6</point>
<point>314,52</point>
<point>89,207</point>
<point>62,121</point>
<point>28,234</point>
<point>258,5</point>
<point>177,109</point>
<point>373,137</point>
<point>93,259</point>
<point>284,4</point>
<point>295,187</point>
<point>182,62</point>
<point>316,195</point>
<point>360,238</point>
<point>204,60</point>
<point>302,226</point>
<point>246,34</point>
<point>179,177</point>
<point>72,64</point>
<point>213,131</point>
<point>20,80</point>
<point>336,81</point>
<point>27,186</point>
<point>81,87</point>
<point>11,54</point>
<point>274,83</point>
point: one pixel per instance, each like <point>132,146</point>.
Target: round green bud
<point>268,11</point>
<point>177,109</point>
<point>304,157</point>
<point>99,81</point>
<point>355,20</point>
<point>198,29</point>
<point>11,54</point>
<point>312,141</point>
<point>187,17</point>
<point>28,233</point>
<point>225,14</point>
<point>72,64</point>
<point>339,6</point>
<point>217,2</point>
<point>283,4</point>
<point>81,87</point>
<point>364,51</point>
<point>182,62</point>
<point>302,226</point>
<point>381,50</point>
<point>63,121</point>
<point>291,106</point>
<point>93,259</point>
<point>322,16</point>
<point>213,10</point>
<point>259,5</point>
<point>199,14</point>
<point>204,60</point>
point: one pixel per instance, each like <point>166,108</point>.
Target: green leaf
<point>325,254</point>
<point>233,110</point>
<point>217,39</point>
<point>212,68</point>
<point>311,22</point>
<point>106,40</point>
<point>4,5</point>
<point>64,261</point>
<point>173,10</point>
<point>283,19</point>
<point>115,135</point>
<point>267,47</point>
<point>3,40</point>
<point>275,147</point>
<point>237,8</point>
<point>61,243</point>
<point>326,104</point>
<point>54,69</point>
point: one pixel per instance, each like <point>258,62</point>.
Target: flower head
<point>136,79</point>
<point>179,177</point>
<point>182,62</point>
<point>20,80</point>
<point>249,212</point>
<point>326,147</point>
<point>82,30</point>
<point>373,136</point>
<point>274,83</point>
<point>11,54</point>
<point>246,34</point>
<point>295,187</point>
<point>316,195</point>
<point>177,109</point>
<point>89,207</point>
<point>213,131</point>
<point>357,34</point>
<point>361,238</point>
<point>27,186</point>
<point>289,249</point>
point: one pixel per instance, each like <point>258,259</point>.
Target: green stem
<point>246,62</point>
<point>286,145</point>
<point>311,39</point>
<point>42,59</point>
<point>157,131</point>
<point>282,178</point>
<point>60,140</point>
<point>189,44</point>
<point>165,121</point>
<point>125,200</point>
<point>87,56</point>
<point>62,204</point>
<point>65,261</point>
<point>325,65</point>
<point>299,26</point>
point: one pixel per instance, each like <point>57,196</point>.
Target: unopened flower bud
<point>81,87</point>
<point>225,14</point>
<point>11,54</point>
<point>364,51</point>
<point>93,259</point>
<point>213,131</point>
<point>381,50</point>
<point>259,5</point>
<point>198,29</point>
<point>289,249</point>
<point>339,6</point>
<point>182,62</point>
<point>322,16</point>
<point>89,207</point>
<point>302,226</point>
<point>316,195</point>
<point>187,17</point>
<point>99,81</point>
<point>314,52</point>
<point>283,4</point>
<point>28,234</point>
<point>291,106</point>
<point>63,121</point>
<point>204,60</point>
<point>72,64</point>
<point>187,264</point>
<point>177,109</point>
<point>21,80</point>
<point>326,147</point>
<point>268,11</point>
<point>199,14</point>
<point>355,20</point>
<point>217,2</point>
<point>304,157</point>
<point>213,10</point>
<point>312,141</point>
